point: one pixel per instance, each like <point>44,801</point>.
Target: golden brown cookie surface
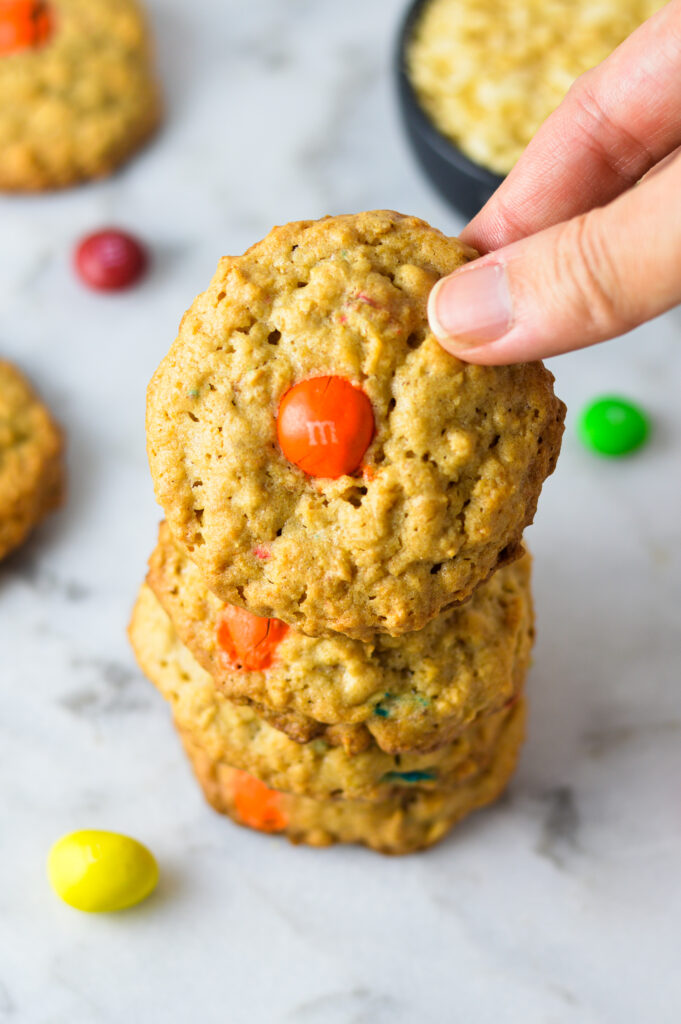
<point>399,824</point>
<point>31,467</point>
<point>239,737</point>
<point>412,692</point>
<point>445,487</point>
<point>78,96</point>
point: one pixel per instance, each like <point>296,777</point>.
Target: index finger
<point>616,122</point>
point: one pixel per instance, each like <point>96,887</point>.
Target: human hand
<point>580,249</point>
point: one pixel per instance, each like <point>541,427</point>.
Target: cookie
<point>79,93</point>
<point>240,435</point>
<point>31,466</point>
<point>238,736</point>
<point>403,823</point>
<point>412,692</point>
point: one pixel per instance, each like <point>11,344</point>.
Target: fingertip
<point>471,307</point>
<point>433,319</point>
<point>438,297</point>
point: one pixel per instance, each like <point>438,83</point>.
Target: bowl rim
<point>439,142</point>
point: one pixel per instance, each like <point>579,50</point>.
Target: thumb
<point>572,285</point>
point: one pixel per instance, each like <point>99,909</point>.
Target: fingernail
<point>472,307</point>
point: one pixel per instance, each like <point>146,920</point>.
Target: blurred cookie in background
<point>31,462</point>
<point>78,87</point>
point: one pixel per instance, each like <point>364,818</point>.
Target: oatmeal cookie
<point>411,692</point>
<point>238,736</point>
<point>240,434</point>
<point>403,823</point>
<point>79,93</point>
<point>31,466</point>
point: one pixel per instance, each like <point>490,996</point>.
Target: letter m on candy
<point>322,432</point>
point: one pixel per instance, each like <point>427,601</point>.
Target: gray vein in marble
<point>25,565</point>
<point>568,997</point>
<point>270,53</point>
<point>317,158</point>
<point>272,49</point>
<point>560,826</point>
<point>359,1006</point>
<point>306,929</point>
<point>90,801</point>
<point>113,690</point>
<point>24,276</point>
<point>300,916</point>
<point>601,742</point>
<point>500,958</point>
<point>94,1010</point>
<point>7,1005</point>
<point>646,850</point>
<point>246,45</point>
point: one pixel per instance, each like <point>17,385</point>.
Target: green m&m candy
<point>613,426</point>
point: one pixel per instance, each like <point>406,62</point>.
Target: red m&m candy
<point>324,426</point>
<point>111,260</point>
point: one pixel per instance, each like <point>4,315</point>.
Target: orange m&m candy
<point>257,806</point>
<point>248,640</point>
<point>23,24</point>
<point>324,426</point>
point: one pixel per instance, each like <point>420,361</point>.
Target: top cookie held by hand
<point>318,454</point>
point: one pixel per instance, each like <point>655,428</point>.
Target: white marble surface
<point>562,903</point>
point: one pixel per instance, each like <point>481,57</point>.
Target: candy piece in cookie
<point>452,456</point>
<point>24,25</point>
<point>31,464</point>
<point>248,641</point>
<point>78,90</point>
<point>324,426</point>
<point>258,806</point>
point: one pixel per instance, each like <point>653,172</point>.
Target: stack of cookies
<point>338,608</point>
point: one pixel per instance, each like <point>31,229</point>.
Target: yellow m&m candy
<point>101,871</point>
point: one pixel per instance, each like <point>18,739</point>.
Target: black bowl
<point>464,184</point>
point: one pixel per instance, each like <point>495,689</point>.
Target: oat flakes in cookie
<point>452,466</point>
<point>78,90</point>
<point>415,692</point>
<point>31,465</point>
<point>238,736</point>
